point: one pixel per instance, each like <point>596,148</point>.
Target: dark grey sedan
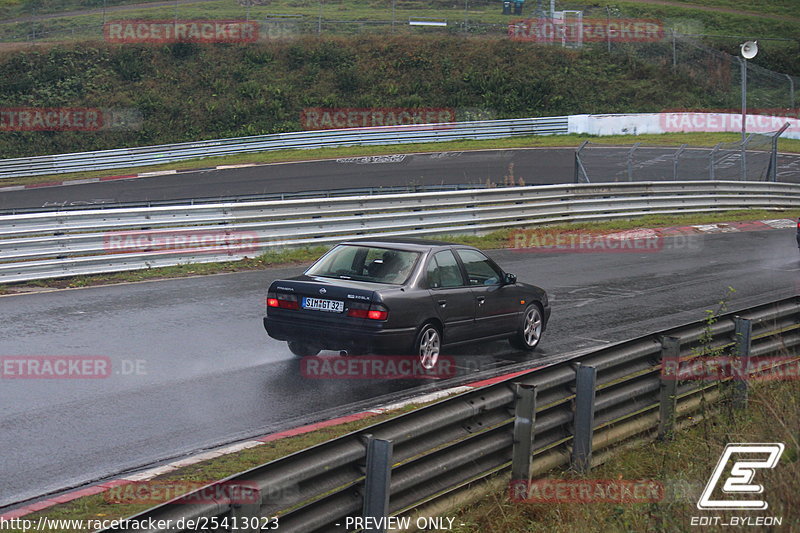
<point>401,297</point>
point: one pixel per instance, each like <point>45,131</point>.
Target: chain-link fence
<point>755,159</point>
<point>718,72</point>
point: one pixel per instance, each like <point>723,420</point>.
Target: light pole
<point>749,51</point>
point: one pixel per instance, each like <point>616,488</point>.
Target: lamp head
<point>749,49</point>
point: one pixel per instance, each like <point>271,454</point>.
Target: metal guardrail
<point>444,449</point>
<point>79,205</point>
<point>170,153</point>
<point>60,244</point>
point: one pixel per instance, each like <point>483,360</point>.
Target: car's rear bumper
<point>330,337</point>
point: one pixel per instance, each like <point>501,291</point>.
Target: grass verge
<point>284,156</point>
<point>683,466</point>
<point>72,23</point>
<point>296,256</point>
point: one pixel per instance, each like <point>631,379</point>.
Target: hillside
<point>188,91</point>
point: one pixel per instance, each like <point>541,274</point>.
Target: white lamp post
<point>749,51</point>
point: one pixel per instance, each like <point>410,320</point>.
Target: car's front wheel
<point>529,333</point>
<point>427,346</point>
<point>302,349</point>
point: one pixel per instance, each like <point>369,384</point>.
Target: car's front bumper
<point>338,337</point>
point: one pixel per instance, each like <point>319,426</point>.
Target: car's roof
<point>400,243</point>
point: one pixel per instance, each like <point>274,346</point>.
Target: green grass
<point>298,256</point>
<point>774,7</point>
<point>683,466</point>
<point>539,141</point>
<point>24,8</point>
<point>354,10</point>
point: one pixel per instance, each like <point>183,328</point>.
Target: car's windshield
<point>366,263</point>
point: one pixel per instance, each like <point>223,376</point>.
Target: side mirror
<point>509,279</point>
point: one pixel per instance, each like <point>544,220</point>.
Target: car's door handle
<point>443,303</point>
<point>481,299</point>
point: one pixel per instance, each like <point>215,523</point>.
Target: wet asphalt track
<point>535,166</point>
<point>210,375</point>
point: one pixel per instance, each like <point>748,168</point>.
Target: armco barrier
<point>58,244</point>
<point>170,153</point>
<point>615,124</point>
<point>445,449</point>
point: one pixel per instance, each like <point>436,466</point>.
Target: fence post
<point>579,164</point>
<point>741,350</point>
<point>772,174</point>
<point>585,381</point>
<point>630,160</point>
<point>524,420</point>
<point>676,160</point>
<point>667,395</point>
<point>674,52</point>
<point>376,484</point>
<point>791,91</point>
<point>745,142</point>
<point>711,173</point>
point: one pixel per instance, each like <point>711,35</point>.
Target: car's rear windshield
<point>366,263</point>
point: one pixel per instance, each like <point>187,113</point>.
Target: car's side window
<point>443,271</point>
<point>480,269</point>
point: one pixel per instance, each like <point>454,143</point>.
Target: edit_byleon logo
<point>747,459</point>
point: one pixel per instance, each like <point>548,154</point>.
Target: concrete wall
<point>670,122</point>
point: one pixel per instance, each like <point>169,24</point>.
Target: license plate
<point>318,304</point>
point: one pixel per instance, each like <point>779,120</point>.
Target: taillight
<point>357,313</point>
<point>377,314</point>
<point>372,312</point>
<point>283,301</point>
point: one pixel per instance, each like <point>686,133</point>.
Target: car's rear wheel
<point>303,349</point>
<point>529,333</point>
<point>427,346</point>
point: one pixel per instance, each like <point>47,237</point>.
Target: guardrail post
<point>524,421</point>
<point>585,380</point>
<point>376,485</point>
<point>741,350</point>
<point>667,395</point>
<point>245,506</point>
